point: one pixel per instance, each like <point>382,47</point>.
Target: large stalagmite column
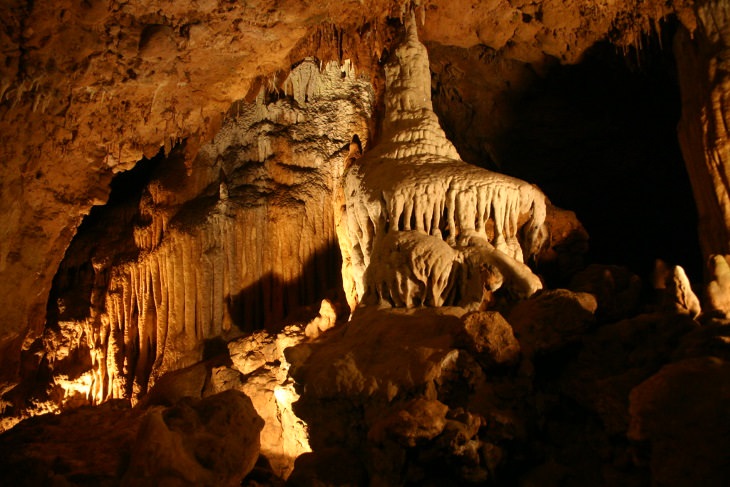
<point>414,184</point>
<point>703,64</point>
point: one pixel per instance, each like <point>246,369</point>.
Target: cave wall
<point>233,243</point>
<point>704,77</point>
<point>88,89</point>
<point>215,238</point>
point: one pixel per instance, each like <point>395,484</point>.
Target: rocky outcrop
<point>667,417</point>
<point>392,389</point>
<point>412,192</point>
<point>718,288</point>
<point>187,300</point>
<point>552,320</point>
<point>211,441</point>
<point>207,251</point>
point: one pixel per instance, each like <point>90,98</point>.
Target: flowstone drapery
<point>207,250</point>
<point>415,210</point>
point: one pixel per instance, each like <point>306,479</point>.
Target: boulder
<point>208,442</point>
<point>418,420</point>
<point>380,352</point>
<point>490,339</point>
<point>680,416</point>
<point>617,357</point>
<point>552,319</point>
<point>617,290</point>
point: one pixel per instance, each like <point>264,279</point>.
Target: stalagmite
<point>684,298</point>
<point>414,182</point>
<point>718,290</point>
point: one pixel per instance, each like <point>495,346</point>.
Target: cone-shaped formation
<point>415,180</point>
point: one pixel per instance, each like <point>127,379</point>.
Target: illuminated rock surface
<point>332,266</point>
<point>412,192</point>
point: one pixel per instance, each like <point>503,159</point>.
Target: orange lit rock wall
<point>704,77</point>
<point>87,89</point>
<point>235,242</point>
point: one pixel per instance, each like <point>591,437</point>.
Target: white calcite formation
<point>685,300</point>
<point>412,268</point>
<point>414,183</point>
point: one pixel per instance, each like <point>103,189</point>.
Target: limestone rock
<point>710,340</point>
<point>119,82</point>
<point>617,357</point>
<point>552,319</point>
<point>616,289</point>
<point>412,269</point>
<point>564,251</point>
<point>330,466</point>
<point>260,370</point>
<point>176,385</point>
<point>700,53</point>
<point>213,441</point>
<point>418,420</point>
<point>682,296</point>
<point>183,265</point>
<point>718,289</point>
<point>491,339</point>
<point>413,181</point>
<point>400,393</point>
<point>382,353</point>
<point>688,437</point>
<point>89,443</point>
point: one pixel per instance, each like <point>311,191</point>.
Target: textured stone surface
<point>617,290</point>
<point>491,339</point>
<point>122,80</point>
<point>186,260</point>
<point>411,195</point>
<point>552,319</point>
<point>705,81</point>
<point>688,438</point>
<point>213,441</point>
<point>367,358</point>
<point>718,288</point>
<point>617,357</point>
<point>88,444</point>
<point>234,229</point>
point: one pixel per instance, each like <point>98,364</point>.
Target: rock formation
<point>412,190</point>
<point>137,303</point>
<point>250,244</point>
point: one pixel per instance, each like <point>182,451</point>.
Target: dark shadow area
<point>600,139</point>
<point>270,300</point>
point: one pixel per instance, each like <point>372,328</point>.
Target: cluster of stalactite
<point>234,241</point>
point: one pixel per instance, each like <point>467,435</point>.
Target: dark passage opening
<point>600,139</point>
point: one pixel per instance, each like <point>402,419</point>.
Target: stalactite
<point>206,269</point>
